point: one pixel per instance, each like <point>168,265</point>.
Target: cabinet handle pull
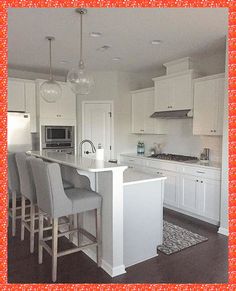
<point>141,129</point>
<point>200,172</point>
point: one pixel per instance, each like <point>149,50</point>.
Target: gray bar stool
<point>28,193</point>
<point>56,202</point>
<point>13,190</point>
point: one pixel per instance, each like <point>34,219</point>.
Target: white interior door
<point>97,127</point>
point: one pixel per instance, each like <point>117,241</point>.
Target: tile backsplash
<point>180,140</point>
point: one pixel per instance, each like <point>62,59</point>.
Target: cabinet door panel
<point>205,107</point>
<point>210,195</point>
<point>182,96</point>
<point>16,95</point>
<point>220,92</point>
<point>67,103</point>
<point>171,188</point>
<point>149,123</point>
<point>189,193</point>
<point>30,106</point>
<point>137,113</point>
<point>163,92</point>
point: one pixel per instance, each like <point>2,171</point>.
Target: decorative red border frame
<point>231,5</point>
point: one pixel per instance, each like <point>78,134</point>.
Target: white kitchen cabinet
<point>16,95</point>
<point>30,103</point>
<point>21,97</point>
<point>171,191</point>
<point>63,109</point>
<point>142,109</point>
<point>174,91</point>
<point>189,189</point>
<point>200,196</point>
<point>208,105</point>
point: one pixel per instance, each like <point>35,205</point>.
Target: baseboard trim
<point>113,272</point>
<point>208,220</point>
<point>223,231</point>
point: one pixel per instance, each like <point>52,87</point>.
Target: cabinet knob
<point>201,181</point>
<point>196,180</point>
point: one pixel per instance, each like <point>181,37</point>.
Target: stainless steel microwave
<point>58,134</point>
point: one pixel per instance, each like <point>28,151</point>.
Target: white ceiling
<point>183,32</point>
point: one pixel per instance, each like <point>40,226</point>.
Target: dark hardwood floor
<point>204,263</point>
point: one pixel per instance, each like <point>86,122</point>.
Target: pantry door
<point>97,126</point>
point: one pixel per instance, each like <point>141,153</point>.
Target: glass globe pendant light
<point>77,78</point>
<point>50,90</point>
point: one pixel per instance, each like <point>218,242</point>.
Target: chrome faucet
<point>87,152</point>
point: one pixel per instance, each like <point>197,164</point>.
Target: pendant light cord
<point>50,59</point>
<point>81,62</point>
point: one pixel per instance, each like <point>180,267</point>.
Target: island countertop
<point>132,176</point>
<point>77,162</point>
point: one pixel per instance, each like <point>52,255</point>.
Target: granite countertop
<point>198,163</point>
<point>75,161</point>
<point>132,176</point>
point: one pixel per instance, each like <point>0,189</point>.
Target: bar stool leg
<point>32,226</point>
<point>71,226</point>
<point>22,217</point>
<point>13,213</point>
<point>99,237</point>
<point>40,258</point>
<point>79,225</point>
<point>54,248</point>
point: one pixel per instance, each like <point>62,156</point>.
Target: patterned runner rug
<point>176,239</point>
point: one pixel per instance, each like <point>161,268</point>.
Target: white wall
<point>225,161</point>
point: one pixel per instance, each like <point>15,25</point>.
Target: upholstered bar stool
<point>55,202</point>
<point>28,193</point>
<point>13,190</point>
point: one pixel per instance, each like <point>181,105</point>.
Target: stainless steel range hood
<point>175,114</point>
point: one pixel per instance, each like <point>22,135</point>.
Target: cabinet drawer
<point>202,172</point>
<point>161,165</point>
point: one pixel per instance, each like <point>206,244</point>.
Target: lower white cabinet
<point>171,195</point>
<point>200,196</point>
<point>191,190</point>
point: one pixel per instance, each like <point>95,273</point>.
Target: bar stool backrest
<point>13,176</point>
<point>49,188</point>
<point>27,186</point>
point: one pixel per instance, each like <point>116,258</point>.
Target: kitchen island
<point>128,196</point>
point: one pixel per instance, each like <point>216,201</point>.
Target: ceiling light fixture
<point>104,48</point>
<point>156,41</point>
<point>50,90</point>
<point>79,81</point>
<point>116,59</point>
<point>95,34</point>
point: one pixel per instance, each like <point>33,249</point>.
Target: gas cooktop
<point>172,157</point>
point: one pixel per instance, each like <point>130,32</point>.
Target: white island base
<point>132,209</point>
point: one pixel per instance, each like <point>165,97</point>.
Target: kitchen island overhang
<point>110,181</point>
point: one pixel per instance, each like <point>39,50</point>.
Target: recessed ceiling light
<point>95,34</point>
<point>116,59</point>
<point>156,41</point>
<point>104,48</point>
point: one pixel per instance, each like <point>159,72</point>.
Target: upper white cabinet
<point>208,105</point>
<point>60,112</point>
<point>16,95</point>
<point>142,109</point>
<point>21,97</point>
<point>174,91</point>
